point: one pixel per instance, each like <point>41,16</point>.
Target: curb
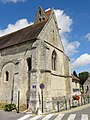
<point>61,112</point>
<point>76,109</point>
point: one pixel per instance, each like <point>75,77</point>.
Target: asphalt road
<point>10,115</point>
<point>80,113</point>
<point>75,114</point>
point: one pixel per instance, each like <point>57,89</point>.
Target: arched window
<point>54,57</point>
<point>7,75</point>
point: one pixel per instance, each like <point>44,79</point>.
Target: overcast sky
<point>73,18</point>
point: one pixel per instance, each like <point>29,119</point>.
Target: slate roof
<point>23,35</point>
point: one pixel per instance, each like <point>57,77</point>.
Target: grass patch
<point>2,105</point>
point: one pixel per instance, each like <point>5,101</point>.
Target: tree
<point>83,77</point>
<point>74,73</point>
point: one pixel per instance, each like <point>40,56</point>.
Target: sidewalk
<point>76,108</point>
<point>62,112</point>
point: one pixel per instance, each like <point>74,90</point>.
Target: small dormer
<point>40,15</point>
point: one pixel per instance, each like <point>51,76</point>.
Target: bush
<point>9,107</point>
<point>2,105</point>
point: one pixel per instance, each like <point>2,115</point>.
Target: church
<point>32,61</point>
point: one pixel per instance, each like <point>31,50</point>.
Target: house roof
<point>23,35</point>
<point>87,82</point>
<point>75,78</point>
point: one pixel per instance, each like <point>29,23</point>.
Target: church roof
<point>48,13</point>
<point>29,33</point>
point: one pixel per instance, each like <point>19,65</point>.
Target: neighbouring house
<point>86,86</point>
<point>75,85</point>
<point>33,58</point>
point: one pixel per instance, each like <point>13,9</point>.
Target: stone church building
<point>31,56</point>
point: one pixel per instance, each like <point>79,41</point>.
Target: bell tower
<point>40,15</point>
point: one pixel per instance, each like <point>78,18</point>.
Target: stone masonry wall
<point>55,81</point>
<point>14,60</point>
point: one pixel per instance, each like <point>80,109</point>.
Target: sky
<point>73,17</point>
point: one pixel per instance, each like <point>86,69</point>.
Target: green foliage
<point>2,105</point>
<point>74,73</point>
<point>9,107</point>
<point>83,77</point>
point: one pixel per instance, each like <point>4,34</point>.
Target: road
<point>82,113</point>
<point>10,115</point>
<point>60,117</point>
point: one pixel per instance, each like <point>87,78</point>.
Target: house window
<point>29,64</point>
<point>87,89</point>
<point>75,84</point>
<point>54,57</point>
<point>7,76</point>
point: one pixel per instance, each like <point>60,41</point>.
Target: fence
<point>65,104</point>
<point>60,103</point>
